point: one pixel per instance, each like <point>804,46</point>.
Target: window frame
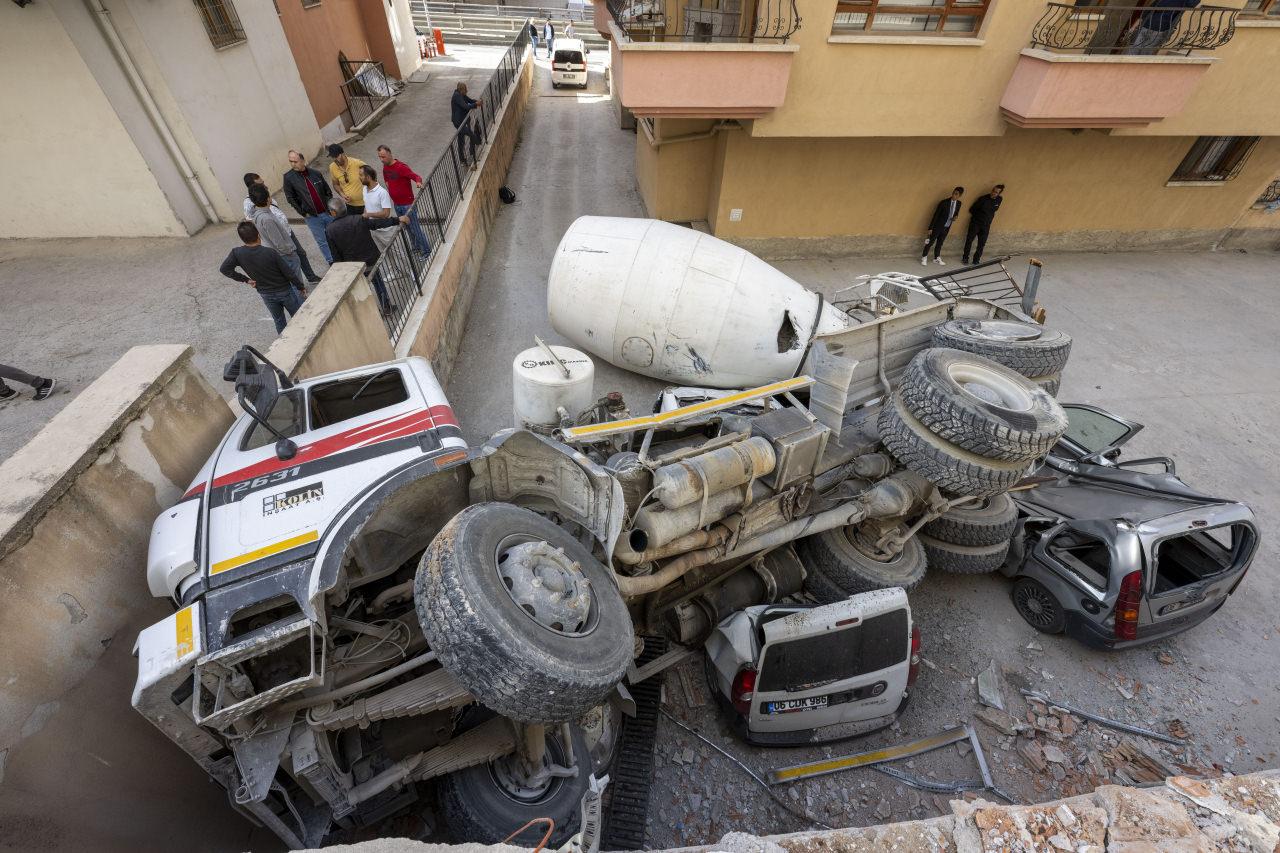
<point>221,23</point>
<point>311,4</point>
<point>1267,10</point>
<point>1226,167</point>
<point>942,9</point>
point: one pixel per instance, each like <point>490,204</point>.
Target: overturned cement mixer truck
<point>430,623</point>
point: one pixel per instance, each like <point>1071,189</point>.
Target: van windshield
<point>878,643</point>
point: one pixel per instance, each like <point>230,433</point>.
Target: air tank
<point>679,305</point>
<point>546,379</point>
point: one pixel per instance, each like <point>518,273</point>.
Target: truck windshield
<point>878,643</point>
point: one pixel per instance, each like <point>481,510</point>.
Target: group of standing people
<point>947,211</point>
<point>546,32</point>
<point>344,224</point>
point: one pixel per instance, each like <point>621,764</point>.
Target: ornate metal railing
<point>365,88</point>
<point>1103,28</point>
<point>1270,195</point>
<point>706,20</point>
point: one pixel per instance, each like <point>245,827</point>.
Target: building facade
<point>835,126</point>
<point>322,31</point>
<point>139,118</point>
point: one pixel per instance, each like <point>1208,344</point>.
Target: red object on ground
<point>439,34</point>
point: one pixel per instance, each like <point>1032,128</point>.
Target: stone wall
<point>435,328</point>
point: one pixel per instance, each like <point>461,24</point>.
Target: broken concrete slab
<point>1001,721</point>
<point>989,692</point>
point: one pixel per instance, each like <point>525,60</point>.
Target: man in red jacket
<point>397,177</point>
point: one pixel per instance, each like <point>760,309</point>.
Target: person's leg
<point>983,231</point>
<point>292,302</point>
<point>302,259</point>
<point>938,240</point>
<point>462,135</point>
<point>968,240</point>
<point>380,288</point>
<point>16,375</point>
<point>475,142</point>
<point>316,225</point>
<point>420,241</point>
<point>275,305</point>
<point>294,263</point>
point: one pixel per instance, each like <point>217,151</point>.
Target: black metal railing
<point>221,22</point>
<point>706,20</point>
<point>556,12</point>
<point>365,89</point>
<point>403,266</point>
<point>988,280</point>
<point>1270,195</point>
<point>1105,28</point>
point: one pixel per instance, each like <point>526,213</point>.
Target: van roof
<point>569,44</point>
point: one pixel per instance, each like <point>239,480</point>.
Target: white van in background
<point>569,64</point>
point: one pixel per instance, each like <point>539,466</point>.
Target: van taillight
<point>744,690</point>
<point>914,671</point>
<point>1127,606</point>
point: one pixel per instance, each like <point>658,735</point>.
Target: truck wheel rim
<point>510,775</point>
<point>989,386</point>
<point>547,584</point>
<point>1036,606</point>
<point>1002,330</point>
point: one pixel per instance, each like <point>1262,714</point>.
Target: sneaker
<point>313,280</point>
<point>940,262</point>
<point>7,394</point>
<point>45,388</point>
<point>924,262</point>
<point>964,261</point>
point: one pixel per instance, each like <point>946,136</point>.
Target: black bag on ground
<point>506,194</point>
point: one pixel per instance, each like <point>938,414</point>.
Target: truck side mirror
<point>286,449</point>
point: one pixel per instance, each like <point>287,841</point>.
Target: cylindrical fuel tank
<point>676,304</point>
<point>539,386</point>
<point>682,483</point>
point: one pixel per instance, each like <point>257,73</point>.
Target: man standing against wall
<point>981,212</point>
<point>940,225</point>
<point>272,234</point>
<point>400,180</point>
<point>266,272</point>
<point>307,193</point>
<point>344,171</point>
<point>462,106</point>
<point>252,178</point>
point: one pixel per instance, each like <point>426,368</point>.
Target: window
<point>1084,556</point>
<point>307,4</point>
<point>959,17</point>
<point>1261,9</point>
<point>1215,158</point>
<point>878,643</point>
<point>334,402</point>
<point>286,415</point>
<point>221,22</point>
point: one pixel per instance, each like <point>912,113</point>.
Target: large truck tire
<point>951,468</point>
<point>848,562</point>
<point>1028,348</point>
<point>981,406</point>
<point>521,613</point>
<point>1050,384</point>
<point>485,803</point>
<point>823,590</point>
<point>990,521</point>
<point>964,559</point>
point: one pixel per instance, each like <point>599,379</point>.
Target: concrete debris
<point>883,810</point>
<point>989,687</point>
<point>1001,721</point>
<point>1064,815</point>
<point>1034,646</point>
<point>1123,691</point>
<point>1052,753</point>
<point>1031,752</point>
<point>1165,658</point>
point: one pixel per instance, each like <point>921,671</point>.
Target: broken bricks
<point>1001,721</point>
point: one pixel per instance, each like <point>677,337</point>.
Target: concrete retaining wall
<point>338,328</point>
<point>435,328</point>
<point>79,769</point>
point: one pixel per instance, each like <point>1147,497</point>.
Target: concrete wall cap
<point>33,478</point>
<point>288,350</point>
<point>1114,59</point>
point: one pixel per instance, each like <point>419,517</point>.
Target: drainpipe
<point>731,124</point>
<point>125,61</point>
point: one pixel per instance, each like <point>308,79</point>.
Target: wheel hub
<point>548,585</point>
<point>993,387</point>
<point>1002,330</point>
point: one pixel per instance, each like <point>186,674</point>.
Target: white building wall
<point>404,36</point>
<point>88,176</point>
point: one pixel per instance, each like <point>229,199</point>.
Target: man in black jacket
<point>981,212</point>
<point>461,107</point>
<point>266,272</point>
<point>307,193</point>
<point>943,215</point>
<point>351,239</point>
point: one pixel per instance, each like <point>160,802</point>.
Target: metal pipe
<point>393,775</point>
<point>689,137</point>
<point>382,599</point>
<point>103,17</point>
<point>654,526</point>
<point>624,553</point>
<point>357,686</point>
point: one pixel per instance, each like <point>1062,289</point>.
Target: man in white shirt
<point>250,180</point>
<point>377,205</point>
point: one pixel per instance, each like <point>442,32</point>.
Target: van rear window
<point>1199,555</point>
<point>568,56</point>
<point>878,643</point>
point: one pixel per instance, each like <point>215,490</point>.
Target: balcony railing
<point>706,21</point>
<point>1270,195</point>
<point>1103,28</point>
<point>365,88</point>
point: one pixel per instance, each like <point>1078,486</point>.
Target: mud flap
<point>522,468</point>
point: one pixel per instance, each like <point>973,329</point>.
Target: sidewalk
<point>70,308</point>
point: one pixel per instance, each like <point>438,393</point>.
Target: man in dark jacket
<point>351,239</point>
<point>462,106</point>
<point>943,215</point>
<point>267,272</point>
<point>307,193</point>
<point>981,212</point>
<point>1154,26</point>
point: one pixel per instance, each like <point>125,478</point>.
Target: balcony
<point>1104,65</point>
<point>710,59</point>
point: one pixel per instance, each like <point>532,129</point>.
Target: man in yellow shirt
<point>344,171</point>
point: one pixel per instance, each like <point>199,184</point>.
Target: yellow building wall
<point>919,85</point>
<point>675,179</point>
<point>1065,190</point>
